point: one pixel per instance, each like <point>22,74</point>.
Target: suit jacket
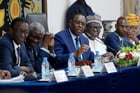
<point>138,36</point>
<point>64,45</point>
<point>8,57</point>
<point>114,43</point>
<point>36,55</point>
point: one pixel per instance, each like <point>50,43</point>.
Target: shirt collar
<point>72,35</point>
<point>119,36</point>
<point>15,45</point>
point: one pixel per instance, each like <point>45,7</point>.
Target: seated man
<point>133,21</point>
<point>116,40</point>
<point>13,55</point>
<point>72,41</point>
<point>92,32</point>
<point>39,45</point>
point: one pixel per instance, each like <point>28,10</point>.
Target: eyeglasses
<point>79,23</point>
<point>19,32</point>
<point>98,28</point>
<point>37,37</point>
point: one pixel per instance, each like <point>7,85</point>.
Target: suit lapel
<point>70,45</point>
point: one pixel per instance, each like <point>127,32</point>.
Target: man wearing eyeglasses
<point>71,41</point>
<point>93,29</point>
<point>13,55</point>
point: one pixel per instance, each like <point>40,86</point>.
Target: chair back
<point>38,17</point>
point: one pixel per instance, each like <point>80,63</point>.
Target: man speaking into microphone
<point>72,41</point>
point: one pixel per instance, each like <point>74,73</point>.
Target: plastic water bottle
<point>45,69</point>
<point>97,62</point>
<point>71,65</point>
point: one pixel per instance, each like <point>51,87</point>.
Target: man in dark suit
<point>39,44</point>
<point>13,55</point>
<point>116,40</point>
<point>65,43</point>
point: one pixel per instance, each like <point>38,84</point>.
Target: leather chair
<point>39,17</point>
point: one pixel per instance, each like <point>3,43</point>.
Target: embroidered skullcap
<point>133,19</point>
<point>94,19</point>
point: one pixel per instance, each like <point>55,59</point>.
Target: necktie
<point>77,46</point>
<point>31,54</point>
<point>77,42</point>
<point>18,55</point>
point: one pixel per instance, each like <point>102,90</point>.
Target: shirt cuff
<point>47,51</point>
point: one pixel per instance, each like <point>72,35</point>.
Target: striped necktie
<point>77,46</point>
<point>77,42</point>
<point>18,55</point>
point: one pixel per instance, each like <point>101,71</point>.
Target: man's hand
<point>4,74</point>
<point>25,69</point>
<point>109,55</point>
<point>48,42</point>
<point>132,35</point>
<point>81,50</point>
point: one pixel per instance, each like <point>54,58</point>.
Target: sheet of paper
<point>17,79</point>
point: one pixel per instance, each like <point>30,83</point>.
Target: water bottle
<point>97,62</point>
<point>71,65</point>
<point>45,69</point>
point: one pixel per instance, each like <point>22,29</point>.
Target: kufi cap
<point>133,19</point>
<point>94,19</point>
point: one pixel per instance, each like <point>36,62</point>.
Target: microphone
<point>106,45</point>
<point>93,38</point>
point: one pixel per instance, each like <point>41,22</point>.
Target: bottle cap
<point>97,52</point>
<point>45,58</point>
<point>71,54</point>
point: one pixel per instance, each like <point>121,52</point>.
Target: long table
<point>126,80</point>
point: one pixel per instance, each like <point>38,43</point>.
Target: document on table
<point>17,79</point>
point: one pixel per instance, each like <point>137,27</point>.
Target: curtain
<point>128,6</point>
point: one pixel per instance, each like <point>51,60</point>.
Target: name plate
<point>86,71</point>
<point>60,76</point>
<point>109,67</point>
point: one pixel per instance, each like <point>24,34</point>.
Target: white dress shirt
<point>16,53</point>
<point>97,45</point>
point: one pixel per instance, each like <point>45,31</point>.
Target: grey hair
<point>37,27</point>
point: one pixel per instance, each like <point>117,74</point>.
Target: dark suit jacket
<point>36,55</point>
<point>114,44</point>
<point>8,58</point>
<point>138,36</point>
<point>64,46</point>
